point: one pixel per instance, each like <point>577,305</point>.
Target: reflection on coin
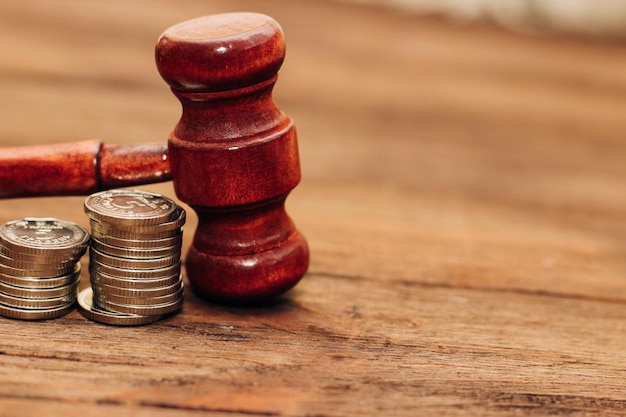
<point>87,309</point>
<point>49,269</point>
<point>142,243</point>
<point>134,207</point>
<point>134,253</point>
<point>35,314</point>
<point>28,281</point>
<point>35,303</point>
<point>141,300</point>
<point>135,273</point>
<point>133,283</point>
<point>36,293</point>
<point>40,236</point>
<point>148,292</point>
<point>165,308</point>
<point>129,231</point>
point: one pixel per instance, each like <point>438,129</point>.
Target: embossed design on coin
<point>43,235</point>
<point>40,267</point>
<point>135,257</point>
<point>129,206</point>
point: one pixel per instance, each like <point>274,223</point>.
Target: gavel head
<point>233,155</point>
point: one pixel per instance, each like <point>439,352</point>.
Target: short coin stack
<point>40,267</point>
<point>135,258</point>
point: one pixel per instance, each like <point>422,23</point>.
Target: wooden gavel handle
<point>79,168</point>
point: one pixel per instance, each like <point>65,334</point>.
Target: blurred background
<point>598,18</point>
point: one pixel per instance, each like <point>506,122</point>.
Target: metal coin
<point>47,258</point>
<point>137,292</point>
<point>39,303</point>
<point>36,293</point>
<point>41,236</point>
<point>137,243</point>
<point>27,281</point>
<point>141,300</point>
<point>135,253</point>
<point>35,314</point>
<point>49,268</point>
<point>136,231</point>
<point>92,312</point>
<point>126,273</point>
<point>18,272</point>
<point>134,264</point>
<point>98,277</point>
<point>130,207</point>
<point>141,310</point>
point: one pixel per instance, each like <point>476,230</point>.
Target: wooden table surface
<point>463,197</point>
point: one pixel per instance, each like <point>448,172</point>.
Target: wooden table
<point>463,198</point>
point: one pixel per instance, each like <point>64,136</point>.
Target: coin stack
<point>40,267</point>
<point>135,258</point>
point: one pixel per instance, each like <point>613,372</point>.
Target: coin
<point>92,312</point>
<point>135,253</point>
<point>140,243</point>
<point>97,277</point>
<point>134,263</point>
<point>136,231</point>
<point>129,207</point>
<point>43,236</point>
<point>135,256</point>
<point>39,258</point>
<point>36,303</point>
<point>119,272</point>
<point>165,308</point>
<point>35,314</point>
<point>49,268</point>
<point>28,281</point>
<point>138,300</point>
<point>151,291</point>
<point>36,293</point>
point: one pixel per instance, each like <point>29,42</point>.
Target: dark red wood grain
<point>79,168</point>
<point>234,155</point>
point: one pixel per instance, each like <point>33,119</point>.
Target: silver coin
<point>51,268</point>
<point>20,272</point>
<point>141,300</point>
<point>27,281</point>
<point>136,231</point>
<point>36,303</point>
<point>135,264</point>
<point>36,293</point>
<point>41,236</point>
<point>87,308</point>
<point>97,277</point>
<point>134,253</point>
<point>126,273</point>
<point>142,243</point>
<point>130,207</point>
<point>148,292</point>
<point>35,314</point>
<point>150,310</point>
<point>47,258</point>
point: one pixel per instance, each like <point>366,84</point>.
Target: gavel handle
<point>79,168</point>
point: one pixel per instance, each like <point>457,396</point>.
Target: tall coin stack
<point>40,267</point>
<point>135,258</point>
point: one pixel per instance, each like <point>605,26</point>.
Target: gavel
<point>232,157</point>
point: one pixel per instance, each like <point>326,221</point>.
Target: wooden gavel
<point>233,157</point>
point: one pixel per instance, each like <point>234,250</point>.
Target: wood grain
<point>462,197</point>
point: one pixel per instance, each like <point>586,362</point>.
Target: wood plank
<point>462,198</point>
